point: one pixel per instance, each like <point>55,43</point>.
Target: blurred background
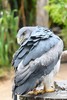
<point>15,14</point>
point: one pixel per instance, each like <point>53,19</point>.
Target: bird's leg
<point>39,89</point>
<point>47,85</point>
<point>48,82</point>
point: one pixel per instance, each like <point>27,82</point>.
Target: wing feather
<point>42,47</point>
<point>40,65</point>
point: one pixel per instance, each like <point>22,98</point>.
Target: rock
<point>64,56</point>
<point>61,85</point>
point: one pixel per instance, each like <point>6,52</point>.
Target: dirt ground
<point>6,86</point>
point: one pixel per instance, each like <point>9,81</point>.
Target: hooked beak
<point>19,40</point>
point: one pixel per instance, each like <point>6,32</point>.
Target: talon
<point>36,92</point>
<point>30,93</point>
<point>50,90</point>
<point>41,91</point>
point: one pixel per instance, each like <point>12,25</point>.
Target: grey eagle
<point>37,60</point>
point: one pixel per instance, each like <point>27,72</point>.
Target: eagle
<point>37,60</point>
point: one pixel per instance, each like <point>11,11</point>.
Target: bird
<point>37,60</point>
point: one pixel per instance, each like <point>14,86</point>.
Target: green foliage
<point>58,13</point>
<point>64,35</point>
<point>9,26</point>
<point>8,30</point>
<point>30,10</point>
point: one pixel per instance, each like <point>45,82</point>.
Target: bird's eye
<point>23,33</point>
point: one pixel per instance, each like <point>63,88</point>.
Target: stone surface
<point>64,56</point>
<point>61,85</point>
<point>59,94</point>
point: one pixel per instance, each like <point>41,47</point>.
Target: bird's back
<point>40,41</point>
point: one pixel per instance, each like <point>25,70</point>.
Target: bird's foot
<point>42,91</point>
<point>50,90</point>
<point>36,92</point>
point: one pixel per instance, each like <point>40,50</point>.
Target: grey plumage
<point>26,50</point>
<point>35,58</point>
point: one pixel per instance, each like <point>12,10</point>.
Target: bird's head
<point>23,34</point>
